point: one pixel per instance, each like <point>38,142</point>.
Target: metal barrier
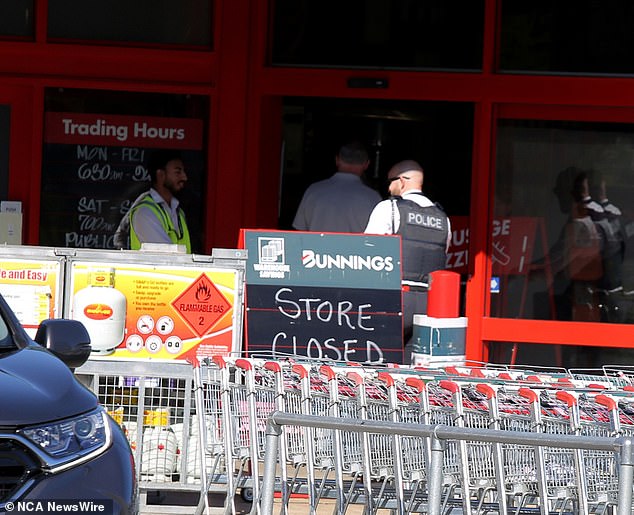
<point>440,435</point>
<point>155,404</point>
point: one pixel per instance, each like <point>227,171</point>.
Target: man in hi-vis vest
<point>156,217</point>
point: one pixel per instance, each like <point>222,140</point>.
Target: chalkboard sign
<point>325,296</point>
<point>94,168</point>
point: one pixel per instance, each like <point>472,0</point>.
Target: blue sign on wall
<point>325,296</point>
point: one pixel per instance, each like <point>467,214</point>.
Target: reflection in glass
<point>528,359</point>
<point>575,259</point>
<point>580,36</point>
<point>16,19</point>
<point>164,22</point>
<point>428,34</point>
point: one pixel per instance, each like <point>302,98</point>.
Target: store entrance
<point>439,135</point>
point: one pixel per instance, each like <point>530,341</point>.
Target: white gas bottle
<point>102,309</point>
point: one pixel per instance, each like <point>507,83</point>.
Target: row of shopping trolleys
<point>383,471</point>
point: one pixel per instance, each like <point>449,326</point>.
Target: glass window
<point>539,358</point>
<point>95,154</point>
<point>17,18</point>
<point>429,34</point>
<point>5,119</point>
<point>6,341</point>
<point>580,36</point>
<point>562,235</point>
<point>185,23</point>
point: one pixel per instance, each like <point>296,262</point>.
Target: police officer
<point>425,232</point>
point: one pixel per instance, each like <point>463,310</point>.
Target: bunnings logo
<point>311,259</point>
<point>98,311</point>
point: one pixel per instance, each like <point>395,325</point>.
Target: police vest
<point>423,233</point>
<point>608,223</point>
<point>179,236</point>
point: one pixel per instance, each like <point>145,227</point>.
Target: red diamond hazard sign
<point>201,305</point>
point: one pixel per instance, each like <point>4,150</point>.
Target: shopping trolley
<point>563,467</point>
<point>211,377</point>
<point>408,403</point>
<point>346,447</point>
<point>590,417</point>
<point>381,453</point>
<point>290,383</point>
<point>318,444</point>
<point>606,377</point>
<point>232,419</point>
<point>478,465</point>
<point>510,409</point>
<point>235,397</point>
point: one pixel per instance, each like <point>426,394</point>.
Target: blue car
<point>59,449</point>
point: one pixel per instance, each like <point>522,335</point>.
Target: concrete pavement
<point>186,502</point>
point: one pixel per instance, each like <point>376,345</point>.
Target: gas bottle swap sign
<point>32,286</point>
<point>327,296</point>
<point>141,311</point>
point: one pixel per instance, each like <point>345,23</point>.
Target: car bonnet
<point>37,387</point>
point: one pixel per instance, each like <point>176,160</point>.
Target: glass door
<point>562,245</point>
<point>5,124</point>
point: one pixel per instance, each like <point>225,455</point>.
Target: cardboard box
<point>439,341</point>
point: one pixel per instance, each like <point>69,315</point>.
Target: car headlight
<point>68,442</point>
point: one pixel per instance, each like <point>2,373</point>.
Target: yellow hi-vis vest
<point>179,236</point>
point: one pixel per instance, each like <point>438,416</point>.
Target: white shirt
<point>148,227</point>
<point>385,215</point>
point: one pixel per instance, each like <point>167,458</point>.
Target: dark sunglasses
<point>389,181</point>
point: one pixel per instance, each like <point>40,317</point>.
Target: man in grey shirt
<point>341,203</point>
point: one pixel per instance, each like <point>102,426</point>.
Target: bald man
<point>425,232</point>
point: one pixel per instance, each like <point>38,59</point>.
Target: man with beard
<point>155,216</point>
